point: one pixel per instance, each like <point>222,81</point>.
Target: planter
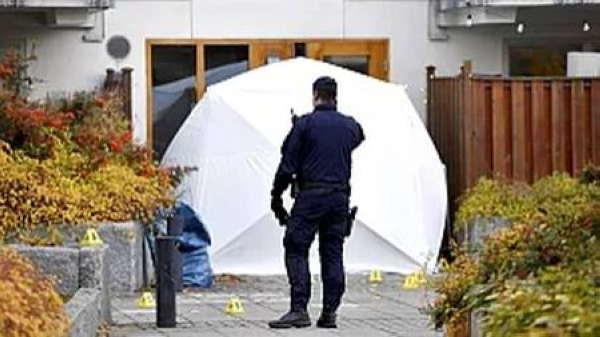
<point>74,269</point>
<point>60,263</point>
<point>84,312</point>
<point>475,325</point>
<point>124,255</point>
<point>478,229</point>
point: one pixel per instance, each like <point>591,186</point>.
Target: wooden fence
<point>519,128</point>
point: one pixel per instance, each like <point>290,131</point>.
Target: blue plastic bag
<point>197,272</point>
<point>193,244</point>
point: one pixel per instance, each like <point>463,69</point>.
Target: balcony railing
<point>47,4</point>
<point>459,4</point>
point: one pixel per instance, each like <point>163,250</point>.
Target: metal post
<point>165,291</point>
<point>144,262</point>
<point>175,229</point>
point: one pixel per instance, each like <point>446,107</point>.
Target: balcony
<point>56,4</point>
<point>56,13</point>
<point>467,13</point>
<point>448,5</point>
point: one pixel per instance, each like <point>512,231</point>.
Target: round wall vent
<point>118,47</point>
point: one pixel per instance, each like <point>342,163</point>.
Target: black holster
<point>350,221</point>
<point>295,188</point>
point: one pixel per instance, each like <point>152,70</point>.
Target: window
<point>548,60</point>
<point>181,70</point>
<point>224,61</point>
<point>359,64</point>
<point>173,92</point>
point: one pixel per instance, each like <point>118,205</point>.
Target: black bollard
<point>165,289</point>
<point>175,229</point>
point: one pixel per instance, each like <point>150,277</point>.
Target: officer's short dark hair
<point>326,88</point>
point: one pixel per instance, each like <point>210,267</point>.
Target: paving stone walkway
<point>367,311</point>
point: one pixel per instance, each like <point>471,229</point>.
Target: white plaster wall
<point>268,18</point>
<point>138,20</point>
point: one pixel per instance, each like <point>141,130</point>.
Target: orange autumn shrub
<point>29,304</point>
<point>37,197</point>
<point>70,161</point>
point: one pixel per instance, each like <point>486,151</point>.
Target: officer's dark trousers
<point>323,212</point>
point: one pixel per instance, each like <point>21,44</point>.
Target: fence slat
<point>462,149</point>
<point>479,137</point>
<point>578,125</point>
<point>486,114</point>
<point>587,122</point>
<point>595,121</point>
<point>540,122</point>
<point>458,148</point>
<point>452,147</point>
<point>470,144</point>
<point>520,170</point>
<point>434,113</point>
<point>559,128</point>
<point>443,126</point>
<point>500,131</point>
<point>508,129</point>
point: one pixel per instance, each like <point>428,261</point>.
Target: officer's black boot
<point>327,321</point>
<point>293,319</point>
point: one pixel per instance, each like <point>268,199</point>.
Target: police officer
<point>316,155</point>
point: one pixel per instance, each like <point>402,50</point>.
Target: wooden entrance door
<point>369,57</point>
<point>265,52</point>
<point>178,71</point>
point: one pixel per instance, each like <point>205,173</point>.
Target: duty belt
<point>324,186</point>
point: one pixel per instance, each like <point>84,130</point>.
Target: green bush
<point>560,301</point>
<point>551,249</point>
<point>495,199</point>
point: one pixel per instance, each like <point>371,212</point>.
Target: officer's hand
<point>280,213</point>
<point>283,217</point>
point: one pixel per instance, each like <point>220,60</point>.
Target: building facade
<point>178,45</point>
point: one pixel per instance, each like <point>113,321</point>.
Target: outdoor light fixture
<point>586,26</point>
<point>520,27</point>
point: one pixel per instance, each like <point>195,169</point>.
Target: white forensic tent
<point>234,137</point>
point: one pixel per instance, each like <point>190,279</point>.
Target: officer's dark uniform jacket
<point>318,152</point>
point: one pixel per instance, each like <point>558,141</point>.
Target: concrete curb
<point>59,263</point>
<point>94,273</point>
<point>74,269</point>
<point>85,312</point>
<point>124,254</point>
